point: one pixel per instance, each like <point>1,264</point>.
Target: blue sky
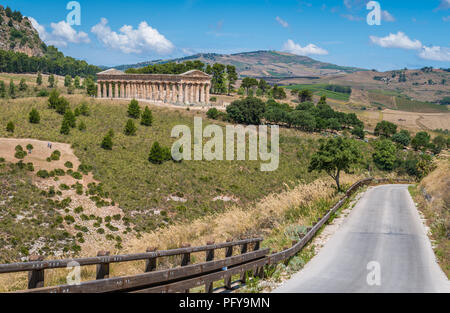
<point>412,33</point>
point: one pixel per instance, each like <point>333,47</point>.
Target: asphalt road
<point>381,247</point>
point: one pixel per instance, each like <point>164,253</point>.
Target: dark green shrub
<point>147,117</point>
<point>34,117</point>
<point>107,143</point>
<point>43,174</point>
<point>130,128</point>
<point>212,113</point>
<point>10,127</point>
<point>134,111</point>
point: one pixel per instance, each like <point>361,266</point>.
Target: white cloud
<point>399,40</point>
<point>61,34</point>
<point>66,32</point>
<point>129,40</point>
<point>387,17</point>
<point>445,4</point>
<point>435,53</point>
<point>282,22</point>
<point>292,47</point>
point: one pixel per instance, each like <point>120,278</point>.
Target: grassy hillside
<point>143,189</point>
<point>29,222</point>
<point>319,90</point>
<point>398,101</point>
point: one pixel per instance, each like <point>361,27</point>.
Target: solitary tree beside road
<point>334,156</point>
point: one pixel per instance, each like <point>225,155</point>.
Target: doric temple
<point>191,87</point>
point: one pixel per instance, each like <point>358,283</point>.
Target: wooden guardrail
<point>179,279</point>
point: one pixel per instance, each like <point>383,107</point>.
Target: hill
<point>262,64</point>
<point>18,35</point>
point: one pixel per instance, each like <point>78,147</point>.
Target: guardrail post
<point>186,260</point>
<point>209,257</point>
<point>150,264</point>
<point>244,249</point>
<point>36,277</point>
<point>228,253</point>
<point>260,270</point>
<point>102,268</point>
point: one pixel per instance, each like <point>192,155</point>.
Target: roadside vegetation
<point>433,201</point>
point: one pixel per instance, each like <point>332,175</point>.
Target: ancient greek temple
<point>188,88</point>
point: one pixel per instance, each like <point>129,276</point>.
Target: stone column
<point>153,91</point>
<point>202,93</point>
<point>208,88</point>
<point>99,90</point>
<point>109,90</point>
<point>187,93</point>
<point>165,89</point>
<point>180,93</point>
<point>116,89</point>
<point>174,93</point>
<point>169,92</point>
<point>127,89</point>
<point>104,95</point>
<point>121,90</point>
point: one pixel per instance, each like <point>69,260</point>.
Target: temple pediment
<point>195,73</point>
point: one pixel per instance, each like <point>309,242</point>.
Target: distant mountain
<point>18,35</point>
<point>262,64</point>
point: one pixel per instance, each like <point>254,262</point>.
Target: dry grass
<point>433,197</point>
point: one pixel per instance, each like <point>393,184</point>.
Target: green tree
<point>303,120</point>
<point>12,89</point>
<point>278,92</point>
<point>76,82</point>
<point>23,85</point>
<point>212,113</point>
<point>385,154</point>
<point>305,95</point>
<point>248,83</point>
<point>107,143</point>
<point>385,129</point>
<point>34,117</point>
<point>91,87</point>
<point>130,128</point>
<point>156,154</point>
<point>51,81</point>
<point>439,143</point>
<point>62,106</point>
<point>39,79</point>
<point>2,89</point>
<point>359,132</point>
<point>69,116</point>
<point>10,127</point>
<point>264,86</point>
<point>84,109</point>
<point>218,85</point>
<point>246,111</point>
<point>403,138</point>
<point>334,156</point>
<point>67,81</point>
<point>53,99</point>
<point>421,141</point>
<point>134,110</point>
<point>147,117</point>
<point>65,127</point>
<point>232,77</point>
